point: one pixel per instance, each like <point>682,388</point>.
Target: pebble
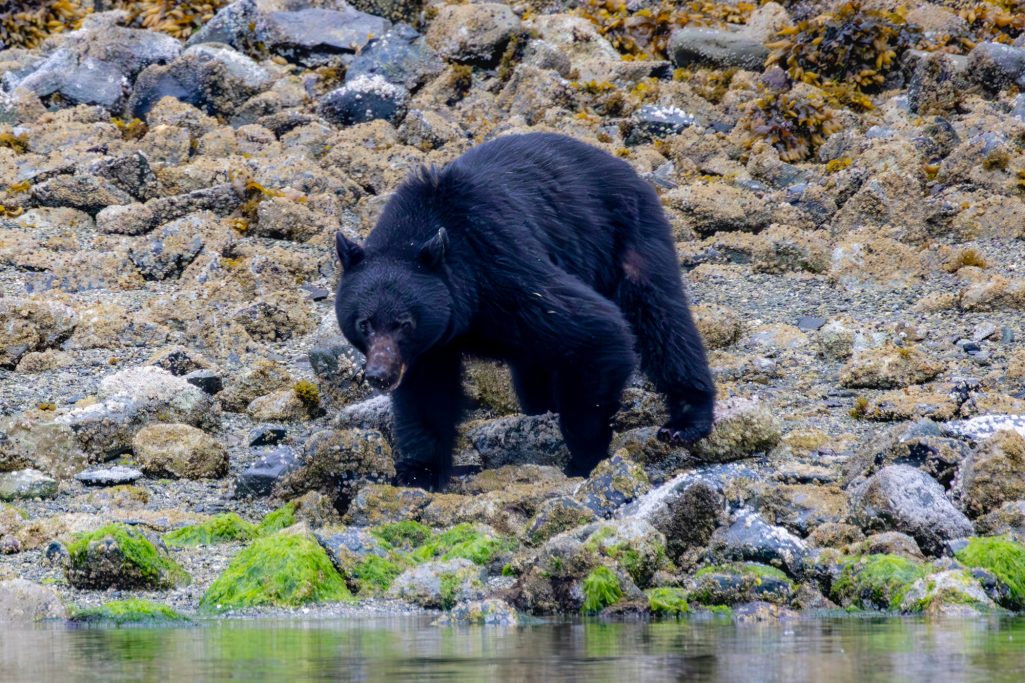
<point>109,476</point>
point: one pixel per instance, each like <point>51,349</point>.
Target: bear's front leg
<point>427,406</point>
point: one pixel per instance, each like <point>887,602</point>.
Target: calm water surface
<point>409,648</point>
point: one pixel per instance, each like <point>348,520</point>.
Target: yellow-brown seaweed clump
<point>796,121</point>
<point>27,23</point>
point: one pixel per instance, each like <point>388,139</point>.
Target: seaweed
<point>27,23</point>
<point>796,121</point>
<point>601,588</point>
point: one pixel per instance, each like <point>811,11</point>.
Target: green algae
<point>220,529</point>
<point>463,541</point>
<point>132,611</point>
<point>142,566</point>
<point>405,535</point>
<point>279,519</point>
<point>373,575</point>
<point>1003,558</point>
<point>876,581</point>
<point>667,601</point>
<point>601,589</point>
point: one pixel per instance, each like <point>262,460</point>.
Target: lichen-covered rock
<point>439,585</point>
<point>888,368</point>
<point>363,99</point>
<point>338,463</point>
<point>751,539</point>
<point>889,543</point>
<point>555,516</point>
<point>1006,520</point>
<point>380,503</point>
<point>742,428</point>
<point>632,544</point>
<point>719,326</point>
<point>26,484</point>
<point>34,440</point>
<point>954,592</point>
<point>993,474</point>
<point>902,498</point>
<point>129,399</point>
<point>472,34</point>
<point>179,450</point>
<point>168,251</point>
<point>519,440</point>
<point>256,380</point>
<point>876,582</point>
<point>28,325</point>
<point>490,385</point>
<point>489,612</point>
<point>715,207</point>
<point>287,569</point>
<point>920,444</point>
<point>23,601</point>
<point>118,556</point>
<point>732,584</point>
<point>615,482</point>
<point>803,507</point>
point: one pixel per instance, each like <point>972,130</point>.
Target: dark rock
<point>751,539</point>
<point>519,440</point>
<point>212,77</point>
<point>317,293</point>
<point>178,360</point>
<point>267,435</point>
<point>338,463</point>
<point>656,121</point>
<point>109,476</point>
<point>614,483</point>
<point>920,445</point>
<point>259,479</point>
<point>304,34</point>
<point>395,10</point>
<point>363,99</point>
<point>400,57</point>
<point>207,380</point>
<point>734,584</point>
<point>809,323</point>
<point>996,66</point>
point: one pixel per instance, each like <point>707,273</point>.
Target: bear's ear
<point>349,253</point>
<point>432,253</point>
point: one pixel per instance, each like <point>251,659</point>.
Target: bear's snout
<point>384,364</point>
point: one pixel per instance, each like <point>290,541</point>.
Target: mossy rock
<point>601,589</point>
<point>286,569</point>
<point>439,585</point>
<point>732,584</point>
<point>464,541</point>
<point>132,611</point>
<point>1003,558</point>
<point>667,601</point>
<point>951,593</point>
<point>119,556</point>
<point>635,546</point>
<point>373,575</point>
<point>226,528</point>
<point>276,520</point>
<point>876,581</point>
<point>405,535</point>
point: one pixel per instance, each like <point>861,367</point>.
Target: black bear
<point>538,250</point>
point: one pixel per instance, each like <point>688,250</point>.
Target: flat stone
<point>27,484</point>
<point>257,480</point>
<point>808,323</point>
<point>109,476</point>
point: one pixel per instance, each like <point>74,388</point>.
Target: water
<point>408,648</point>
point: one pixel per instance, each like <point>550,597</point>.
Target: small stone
<point>109,476</point>
<point>807,323</point>
<point>984,331</point>
<point>653,121</point>
<point>179,450</point>
<point>267,435</point>
<point>742,429</point>
<point>26,484</point>
<point>364,99</point>
<point>260,478</point>
<point>207,380</point>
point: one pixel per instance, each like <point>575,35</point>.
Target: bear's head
<point>393,309</point>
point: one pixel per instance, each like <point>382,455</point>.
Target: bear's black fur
<point>538,250</point>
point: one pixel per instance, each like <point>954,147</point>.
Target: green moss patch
<point>667,601</point>
<point>601,589</point>
<point>279,519</point>
<point>285,570</point>
<point>405,535</point>
<point>220,529</point>
<point>136,562</point>
<point>876,581</point>
<point>463,541</point>
<point>731,584</point>
<point>373,575</point>
<point>1003,558</point>
<point>133,611</point>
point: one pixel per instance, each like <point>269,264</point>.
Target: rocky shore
<point>183,430</point>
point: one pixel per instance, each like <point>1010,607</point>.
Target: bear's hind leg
<point>672,354</point>
<point>427,406</point>
<point>535,389</point>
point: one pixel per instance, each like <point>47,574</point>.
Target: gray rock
<point>97,66</point>
<point>85,192</point>
<point>520,440</point>
<point>259,479</point>
<point>489,612</point>
<point>131,173</point>
<point>136,219</point>
<point>26,484</point>
<point>338,463</point>
<point>473,33</point>
<point>615,482</point>
<point>109,476</point>
<point>902,498</point>
<point>739,583</point>
<point>23,601</point>
<point>212,77</point>
<point>400,57</point>
<point>363,99</point>
<point>716,47</point>
<point>169,250</point>
<point>751,539</point>
<point>439,584</point>
<point>30,325</point>
<point>983,427</point>
<point>306,33</point>
<point>655,121</point>
<point>555,516</point>
<point>996,66</point>
<point>374,413</point>
<point>343,544</point>
<point>687,510</point>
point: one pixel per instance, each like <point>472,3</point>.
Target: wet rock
<point>732,584</point>
<point>472,34</point>
<point>439,585</point>
<point>636,547</point>
<point>260,478</point>
<point>919,445</point>
<point>902,498</point>
<point>338,463</point>
<point>207,380</point>
<point>131,398</point>
<point>715,47</point>
<point>996,66</point>
<point>84,192</point>
<point>651,122</point>
<point>136,219</point>
<point>179,450</point>
<point>115,475</point>
<point>519,440</point>
<point>742,428</point>
<point>26,484</point>
<point>211,77</point>
<point>169,250</point>
<point>490,612</point>
<point>888,368</point>
<point>23,601</point>
<point>555,516</point>
<point>875,581</point>
<point>380,504</point>
<point>803,507</point>
<point>118,556</point>
<point>27,325</point>
<point>1006,520</point>
<point>97,66</point>
<point>267,435</point>
<point>615,482</point>
<point>344,544</point>
<point>993,474</point>
<point>400,57</point>
<point>751,539</point>
<point>889,543</point>
<point>687,510</point>
<point>952,593</point>
<point>363,99</point>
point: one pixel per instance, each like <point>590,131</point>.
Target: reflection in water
<point>408,648</point>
